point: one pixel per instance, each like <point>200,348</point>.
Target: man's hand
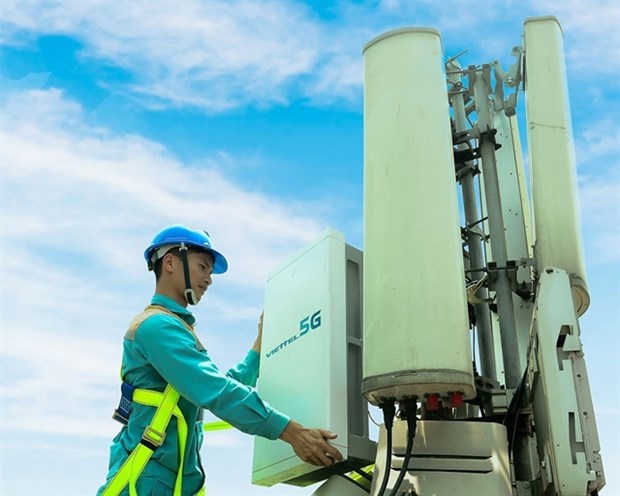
<point>311,444</point>
<point>259,339</point>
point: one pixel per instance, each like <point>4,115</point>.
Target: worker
<point>168,378</point>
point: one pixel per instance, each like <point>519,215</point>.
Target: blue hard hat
<point>173,236</point>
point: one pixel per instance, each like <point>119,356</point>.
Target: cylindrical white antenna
<point>416,328</point>
<point>552,156</point>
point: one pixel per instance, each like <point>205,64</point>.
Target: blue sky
<point>244,118</point>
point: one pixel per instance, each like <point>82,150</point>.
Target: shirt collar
<point>173,306</point>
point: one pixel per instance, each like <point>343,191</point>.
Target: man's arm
<point>246,371</point>
<point>171,349</point>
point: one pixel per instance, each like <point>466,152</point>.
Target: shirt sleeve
<point>171,349</point>
<point>246,371</point>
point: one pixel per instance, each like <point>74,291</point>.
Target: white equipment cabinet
<point>311,363</point>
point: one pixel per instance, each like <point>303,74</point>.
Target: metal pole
<point>480,82</point>
<point>476,253</point>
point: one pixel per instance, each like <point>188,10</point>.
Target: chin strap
<point>190,294</point>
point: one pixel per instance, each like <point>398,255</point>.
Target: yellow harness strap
<point>155,433</point>
<point>152,438</point>
<point>216,425</point>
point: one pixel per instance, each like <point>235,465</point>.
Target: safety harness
<point>155,433</point>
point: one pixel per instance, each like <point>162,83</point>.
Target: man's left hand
<point>259,339</point>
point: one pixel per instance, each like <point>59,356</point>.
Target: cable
<point>372,419</point>
<point>411,406</point>
<point>512,413</point>
<point>389,410</point>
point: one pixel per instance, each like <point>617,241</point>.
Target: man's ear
<point>168,262</point>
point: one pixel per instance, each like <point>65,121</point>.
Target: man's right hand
<point>311,444</point>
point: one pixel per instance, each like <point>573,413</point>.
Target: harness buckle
<point>122,413</point>
<point>152,439</point>
<point>119,417</point>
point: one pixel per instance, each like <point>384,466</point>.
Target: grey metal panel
<point>449,458</point>
<point>360,445</point>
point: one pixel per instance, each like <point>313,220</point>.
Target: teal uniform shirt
<point>163,351</point>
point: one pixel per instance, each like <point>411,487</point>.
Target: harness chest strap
<point>155,433</point>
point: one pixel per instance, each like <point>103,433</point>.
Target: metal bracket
<point>490,135</point>
<point>510,79</point>
<point>465,136</point>
<point>524,488</point>
<point>464,157</point>
<point>523,289</point>
<point>500,400</point>
<point>485,389</point>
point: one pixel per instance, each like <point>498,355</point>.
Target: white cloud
<point>64,386</point>
<point>72,188</point>
<point>597,149</point>
<point>599,140</point>
<point>218,55</point>
<point>339,79</point>
<point>212,55</point>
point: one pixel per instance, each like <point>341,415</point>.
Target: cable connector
<point>389,412</point>
<point>411,408</point>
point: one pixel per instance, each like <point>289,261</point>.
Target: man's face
<point>200,265</point>
<point>200,270</point>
